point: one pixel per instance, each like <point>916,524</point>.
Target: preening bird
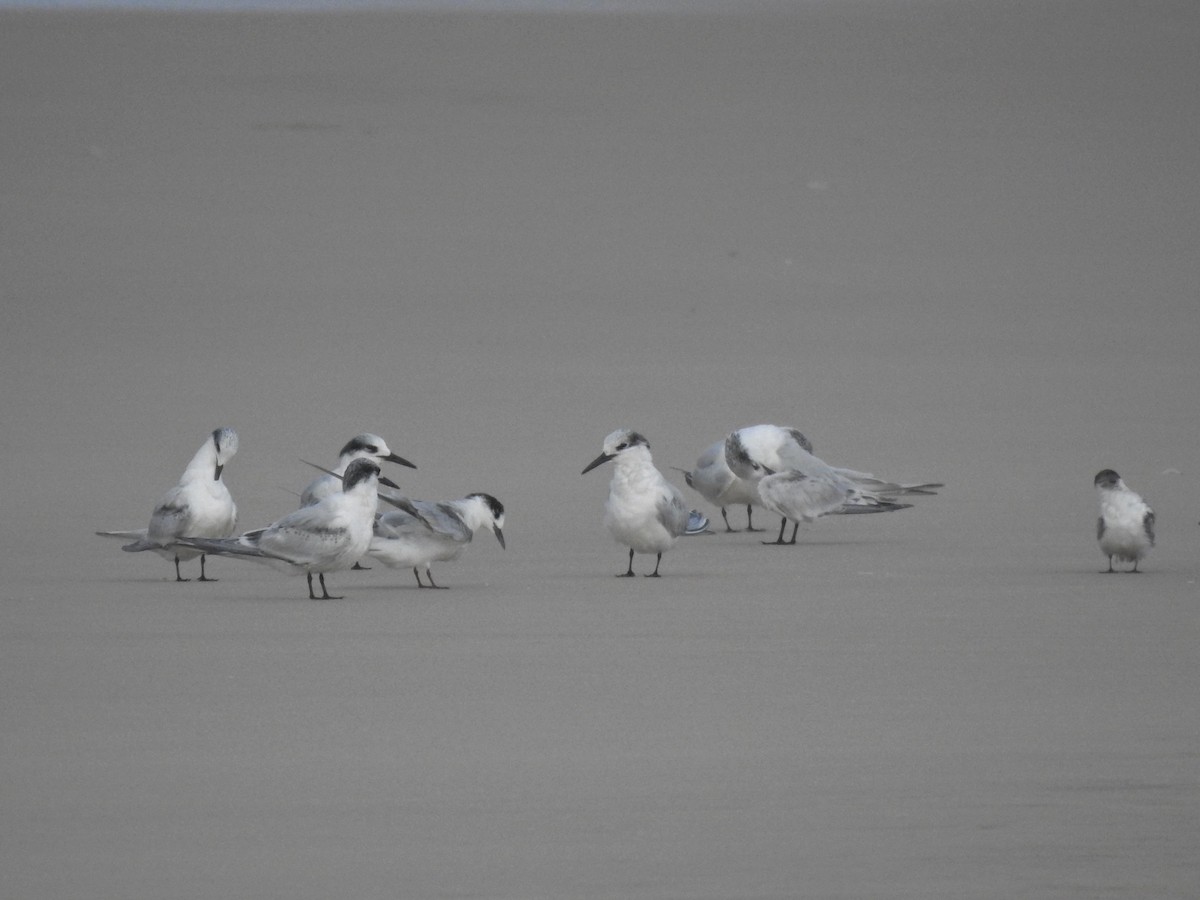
<point>801,487</point>
<point>199,505</point>
<point>713,480</point>
<point>1125,529</point>
<point>644,511</point>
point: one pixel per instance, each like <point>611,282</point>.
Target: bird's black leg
<point>325,591</point>
<point>655,574</point>
<point>429,575</point>
<point>1110,568</point>
<point>795,528</point>
<point>779,540</point>
<point>629,573</point>
<point>750,518</point>
<point>204,577</point>
<point>418,574</point>
<point>1134,570</point>
<point>728,528</point>
<point>311,595</point>
<point>179,577</point>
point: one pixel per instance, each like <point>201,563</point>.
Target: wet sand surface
<point>948,241</point>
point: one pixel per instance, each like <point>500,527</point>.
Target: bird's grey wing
<point>672,511</point>
<point>803,496</point>
<point>403,504</point>
<point>1100,528</point>
<point>303,536</point>
<point>171,518</point>
<point>881,486</point>
<point>131,535</point>
<point>243,545</point>
<point>398,523</point>
<point>445,520</point>
<point>1148,524</point>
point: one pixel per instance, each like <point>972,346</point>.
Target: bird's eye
<point>622,446</point>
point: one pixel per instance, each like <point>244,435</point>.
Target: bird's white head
<point>621,441</point>
<point>744,456</point>
<point>493,512</point>
<point>225,445</point>
<point>371,446</point>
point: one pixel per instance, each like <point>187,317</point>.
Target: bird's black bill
<point>599,460</point>
<point>399,460</point>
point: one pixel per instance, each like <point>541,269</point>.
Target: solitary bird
<point>424,532</point>
<point>328,536</point>
<point>1125,528</point>
<point>644,511</point>
<point>799,486</point>
<point>198,505</point>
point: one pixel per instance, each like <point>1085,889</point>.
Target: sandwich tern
<point>801,487</point>
<point>644,511</point>
<point>713,480</point>
<point>328,536</point>
<point>361,446</point>
<point>424,532</point>
<point>199,505</point>
<point>1125,528</point>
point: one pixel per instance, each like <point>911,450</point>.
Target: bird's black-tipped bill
<point>500,537</point>
<point>399,460</point>
<point>389,482</point>
<point>599,460</point>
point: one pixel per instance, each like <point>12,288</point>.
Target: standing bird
<point>801,487</point>
<point>362,446</point>
<point>644,511</point>
<point>713,480</point>
<point>1125,529</point>
<point>198,505</point>
<point>328,536</point>
<point>424,532</point>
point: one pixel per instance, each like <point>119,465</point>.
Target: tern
<point>328,536</point>
<point>644,511</point>
<point>423,532</point>
<point>802,487</point>
<point>1125,528</point>
<point>198,505</point>
<point>361,446</point>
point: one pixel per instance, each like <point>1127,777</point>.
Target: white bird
<point>713,480</point>
<point>423,532</point>
<point>801,487</point>
<point>362,446</point>
<point>199,505</point>
<point>1125,529</point>
<point>330,535</point>
<point>644,511</point>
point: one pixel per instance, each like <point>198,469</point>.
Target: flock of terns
<point>339,522</point>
